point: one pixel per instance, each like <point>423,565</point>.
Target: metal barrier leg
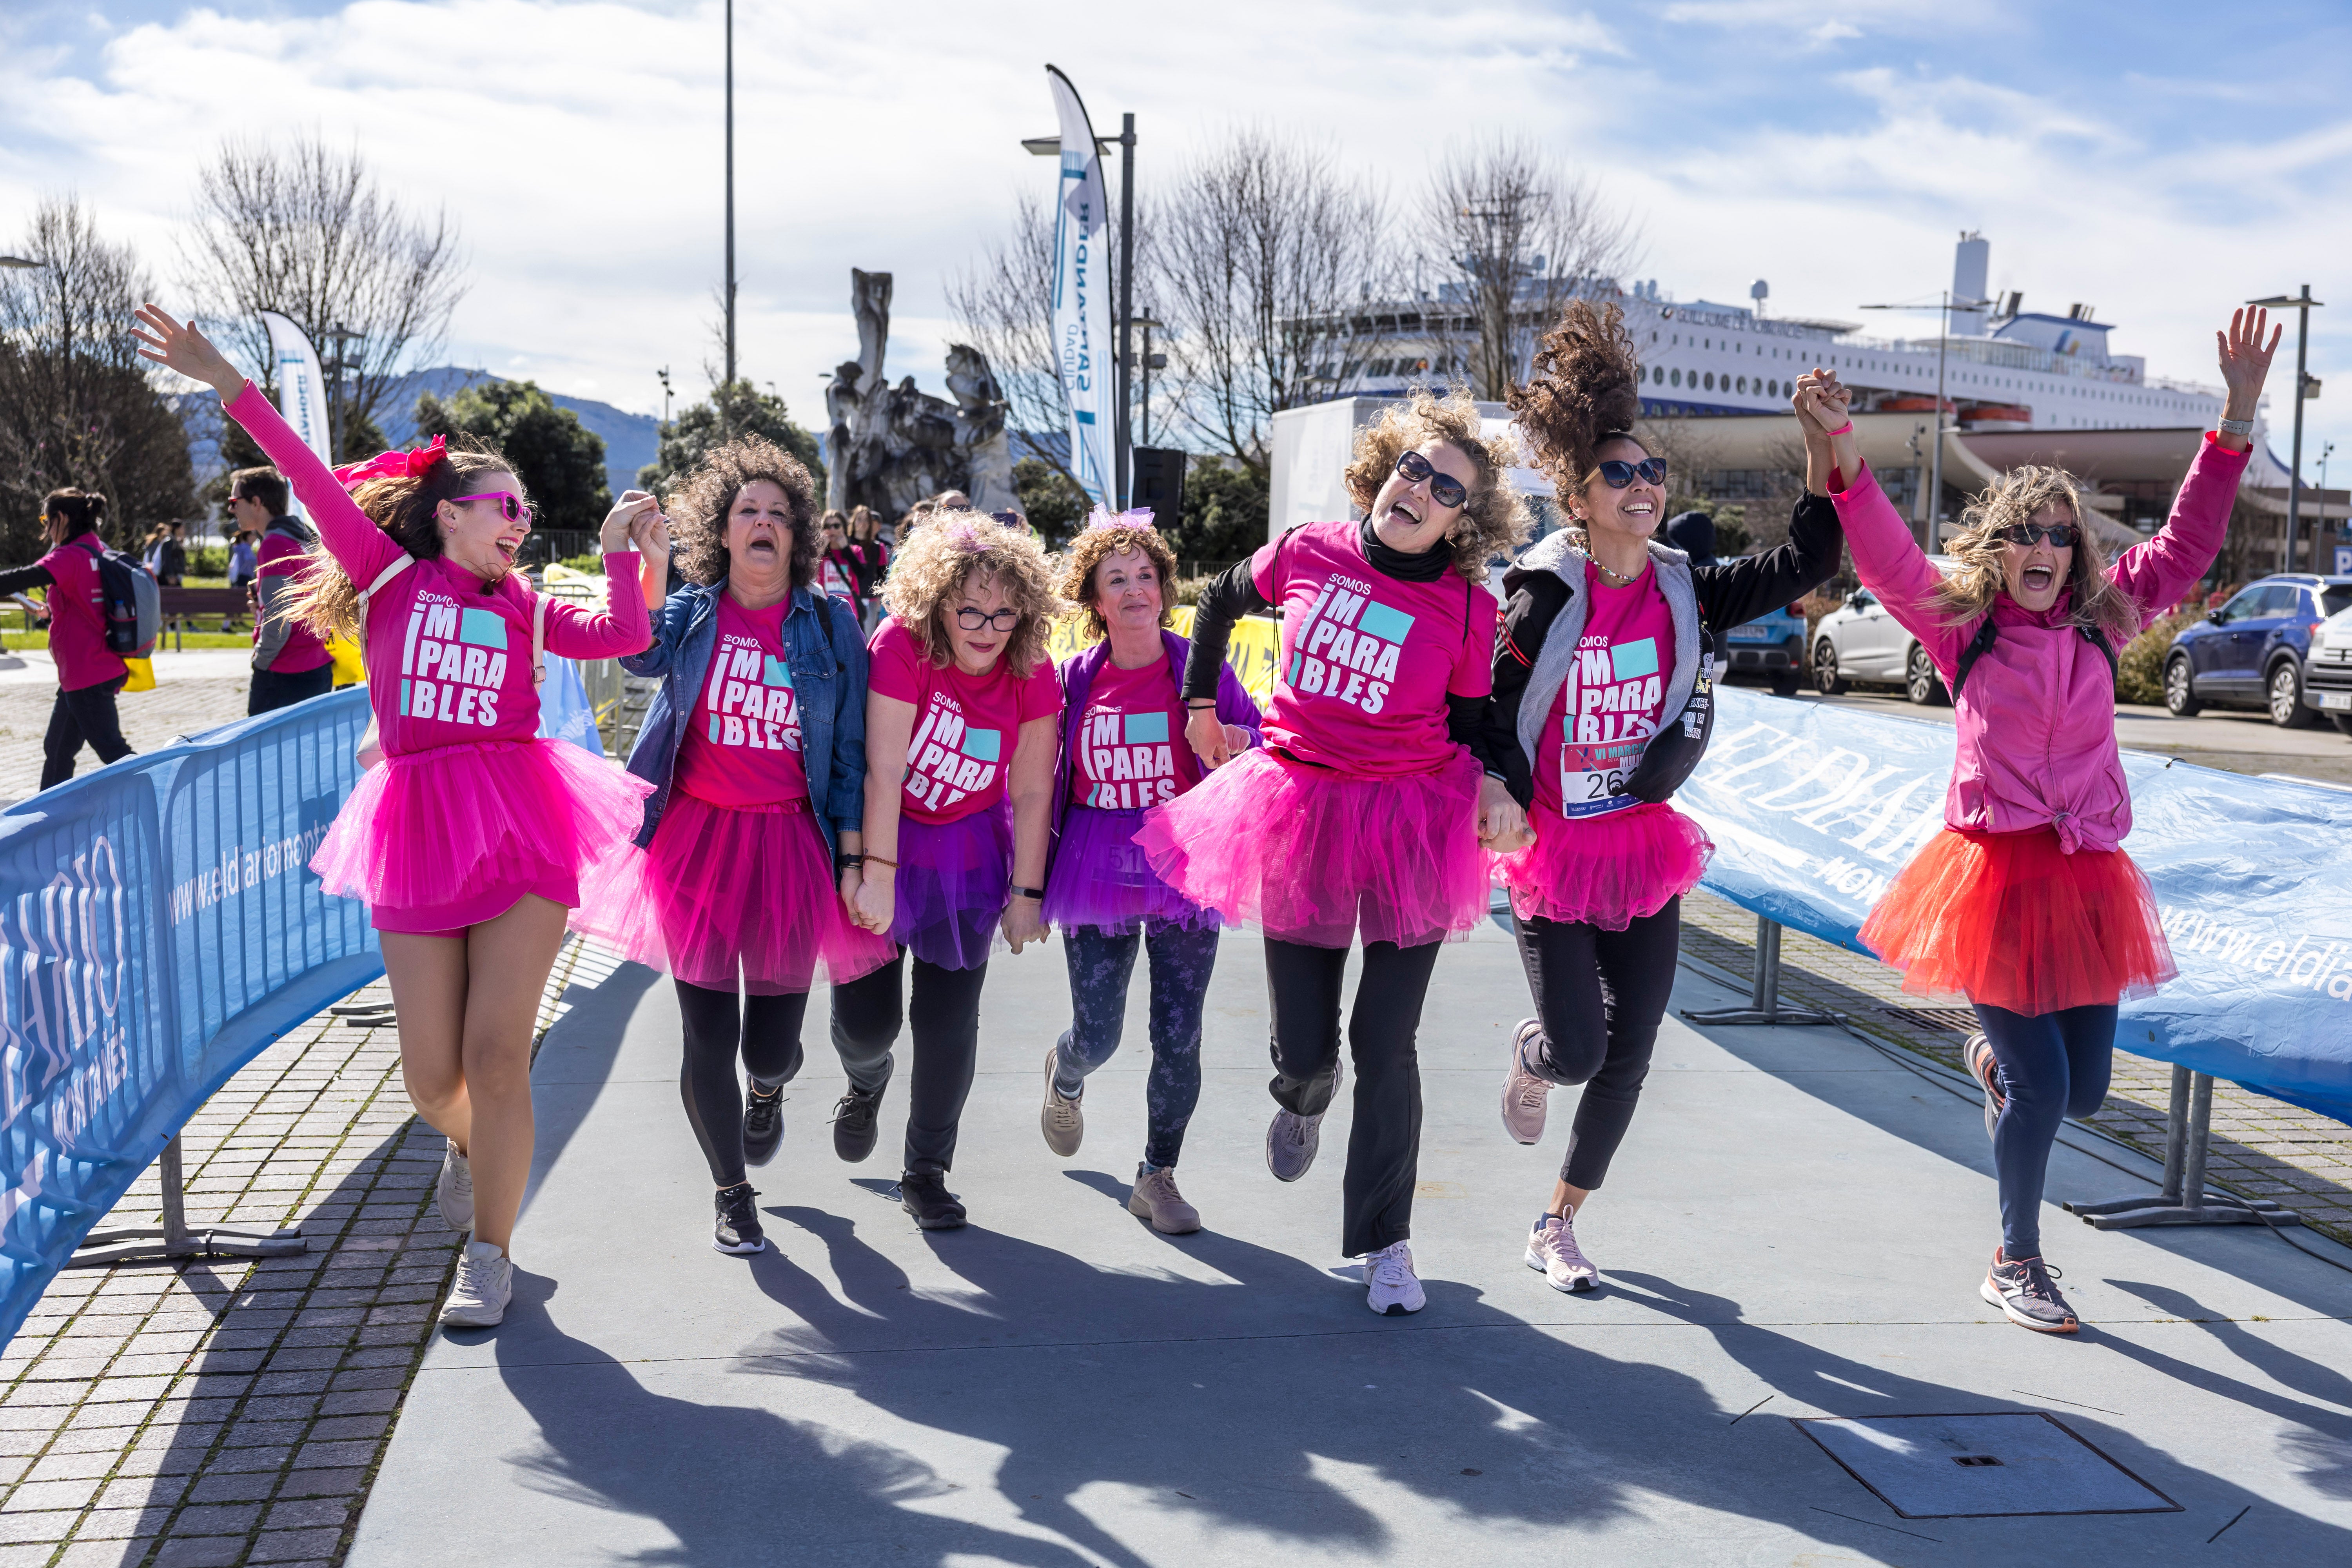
<point>172,1239</point>
<point>2185,1200</point>
<point>1764,996</point>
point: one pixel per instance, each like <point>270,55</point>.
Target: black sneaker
<point>2023,1290</point>
<point>763,1126</point>
<point>853,1124</point>
<point>1985,1068</point>
<point>929,1200</point>
<point>739,1221</point>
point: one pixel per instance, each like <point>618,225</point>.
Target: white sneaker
<point>1525,1096</point>
<point>1395,1289</point>
<point>485,1284</point>
<point>1552,1249</point>
<point>1060,1119</point>
<point>454,1191</point>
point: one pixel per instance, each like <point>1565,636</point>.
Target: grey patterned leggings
<point>1100,964</point>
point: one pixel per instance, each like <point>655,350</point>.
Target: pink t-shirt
<point>743,746</point>
<point>1128,751</point>
<point>1367,661</point>
<point>282,556</point>
<point>1610,699</point>
<point>449,658</point>
<point>966,726</point>
<point>77,617</point>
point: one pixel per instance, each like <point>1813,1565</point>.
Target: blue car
<point>2250,653</point>
<point>1770,647</point>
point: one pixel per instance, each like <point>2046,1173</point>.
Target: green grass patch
<point>17,642</point>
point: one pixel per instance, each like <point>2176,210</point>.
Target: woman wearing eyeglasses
<point>1364,813</point>
<point>2026,902</point>
<point>1603,676</point>
<point>961,712</point>
<point>469,838</point>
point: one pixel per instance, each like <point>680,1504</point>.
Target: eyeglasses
<point>973,620</point>
<point>1444,489</point>
<point>1616,473</point>
<point>510,506</point>
<point>2062,534</point>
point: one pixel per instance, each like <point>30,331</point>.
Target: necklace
<point>1615,579</point>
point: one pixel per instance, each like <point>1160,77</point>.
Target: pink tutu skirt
<point>1100,879</point>
<point>440,839</point>
<point>954,880</point>
<point>726,897</point>
<point>1319,857</point>
<point>1607,872</point>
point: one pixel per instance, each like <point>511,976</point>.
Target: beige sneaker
<point>485,1284</point>
<point>1155,1198</point>
<point>1061,1120</point>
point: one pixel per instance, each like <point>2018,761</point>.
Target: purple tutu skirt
<point>437,839</point>
<point>1100,879</point>
<point>724,898</point>
<point>1607,872</point>
<point>1315,856</point>
<point>954,880</point>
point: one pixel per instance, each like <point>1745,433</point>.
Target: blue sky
<point>2160,162</point>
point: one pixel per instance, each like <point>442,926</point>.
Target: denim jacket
<point>828,662</point>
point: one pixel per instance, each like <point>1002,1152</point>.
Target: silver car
<point>1859,644</point>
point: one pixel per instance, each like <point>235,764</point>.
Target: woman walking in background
<point>1602,676</point>
<point>1123,751</point>
<point>89,674</point>
<point>960,721</point>
<point>1364,813</point>
<point>2026,903</point>
<point>468,840</point>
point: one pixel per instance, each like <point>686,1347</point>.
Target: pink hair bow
<point>1103,517</point>
<point>394,464</point>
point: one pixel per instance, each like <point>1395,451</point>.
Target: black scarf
<point>1426,567</point>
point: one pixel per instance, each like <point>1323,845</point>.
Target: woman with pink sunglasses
<point>468,838</point>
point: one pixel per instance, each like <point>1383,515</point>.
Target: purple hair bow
<point>394,464</point>
<point>1102,516</point>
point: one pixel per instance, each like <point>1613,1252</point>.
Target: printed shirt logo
<point>1605,723</point>
<point>1348,646</point>
<point>1126,761</point>
<point>749,701</point>
<point>947,760</point>
<point>453,662</point>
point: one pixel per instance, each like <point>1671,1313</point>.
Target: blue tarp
<point>1813,808</point>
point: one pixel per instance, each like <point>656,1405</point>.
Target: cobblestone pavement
<point>2261,1147</point>
<point>229,1411</point>
<point>196,691</point>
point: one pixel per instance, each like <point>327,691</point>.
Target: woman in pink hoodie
<point>2026,903</point>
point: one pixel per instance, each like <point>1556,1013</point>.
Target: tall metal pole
<point>2295,463</point>
<point>1126,293</point>
<point>1936,461</point>
<point>731,191</point>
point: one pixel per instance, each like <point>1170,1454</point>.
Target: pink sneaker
<point>1525,1096</point>
<point>1552,1249</point>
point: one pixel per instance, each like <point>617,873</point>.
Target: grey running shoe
<point>1291,1140</point>
<point>1552,1249</point>
<point>928,1199</point>
<point>1393,1289</point>
<point>2023,1288</point>
<point>738,1231</point>
<point>485,1284</point>
<point>1155,1198</point>
<point>1985,1068</point>
<point>763,1125</point>
<point>1061,1120</point>
<point>454,1191</point>
<point>1525,1096</point>
<point>853,1124</point>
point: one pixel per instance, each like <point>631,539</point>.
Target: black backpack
<point>130,603</point>
<point>1982,645</point>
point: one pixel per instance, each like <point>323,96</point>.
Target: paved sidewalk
<point>195,690</point>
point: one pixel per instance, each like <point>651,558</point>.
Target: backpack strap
<point>1978,646</point>
<point>539,639</point>
<point>383,578</point>
<point>2097,639</point>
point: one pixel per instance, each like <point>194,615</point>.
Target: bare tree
<point>303,229</point>
<point>1524,236</point>
<point>1004,305</point>
<point>76,407</point>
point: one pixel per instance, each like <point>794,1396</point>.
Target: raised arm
<point>1736,592</point>
<point>622,627</point>
<point>1886,556</point>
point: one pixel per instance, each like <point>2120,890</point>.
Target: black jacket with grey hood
<point>1544,609</point>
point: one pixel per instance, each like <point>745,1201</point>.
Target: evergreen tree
<point>733,408</point>
<point>560,461</point>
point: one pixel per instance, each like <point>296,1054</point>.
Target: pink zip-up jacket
<point>2037,716</point>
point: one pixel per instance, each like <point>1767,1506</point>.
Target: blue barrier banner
<point>158,926</point>
<point>565,711</point>
<point>1814,808</point>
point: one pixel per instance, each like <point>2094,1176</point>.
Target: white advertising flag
<point>1082,328</point>
<point>301,387</point>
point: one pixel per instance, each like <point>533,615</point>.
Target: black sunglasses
<point>1444,489</point>
<point>2062,534</point>
<point>1616,473</point>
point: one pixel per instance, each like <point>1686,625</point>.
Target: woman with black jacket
<point>1603,674</point>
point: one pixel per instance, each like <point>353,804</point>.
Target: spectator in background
<point>873,557</point>
<point>917,515</point>
<point>1693,533</point>
<point>837,568</point>
<point>242,565</point>
<point>88,674</point>
<point>290,662</point>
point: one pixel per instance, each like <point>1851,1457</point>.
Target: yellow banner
<point>349,670</point>
<point>142,674</point>
<point>1255,651</point>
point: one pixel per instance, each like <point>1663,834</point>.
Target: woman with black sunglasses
<point>1602,675</point>
<point>2026,903</point>
<point>1364,813</point>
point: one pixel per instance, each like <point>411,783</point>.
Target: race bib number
<point>1592,779</point>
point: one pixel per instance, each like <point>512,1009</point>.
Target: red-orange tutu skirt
<point>2012,920</point>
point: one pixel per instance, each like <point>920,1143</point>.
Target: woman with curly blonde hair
<point>1601,675</point>
<point>960,717</point>
<point>1364,813</point>
<point>1123,751</point>
<point>754,745</point>
<point>2026,903</point>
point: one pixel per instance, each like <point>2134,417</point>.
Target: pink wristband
<point>1841,429</point>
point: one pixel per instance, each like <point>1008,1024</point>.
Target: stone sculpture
<point>889,447</point>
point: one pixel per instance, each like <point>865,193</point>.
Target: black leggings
<point>1598,996</point>
<point>943,1014</point>
<point>88,715</point>
<point>1384,1142</point>
<point>767,1034</point>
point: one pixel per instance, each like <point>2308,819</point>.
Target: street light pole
<point>1948,303</point>
<point>730,192</point>
<point>2301,304</point>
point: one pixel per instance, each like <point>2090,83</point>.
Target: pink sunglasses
<point>510,506</point>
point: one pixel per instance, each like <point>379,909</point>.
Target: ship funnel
<point>1971,264</point>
